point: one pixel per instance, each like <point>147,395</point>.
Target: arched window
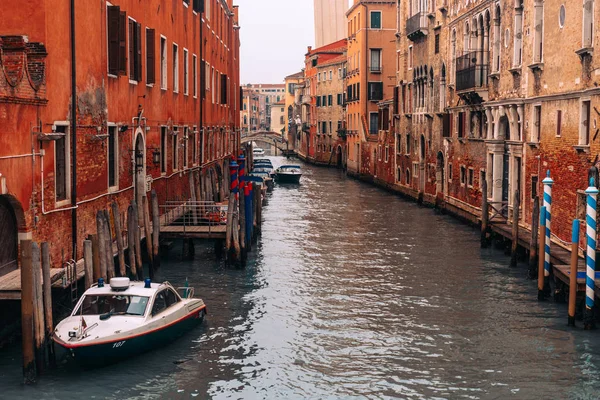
<point>588,23</point>
<point>442,104</point>
<point>497,39</point>
<point>538,32</point>
<point>518,34</point>
<point>453,57</point>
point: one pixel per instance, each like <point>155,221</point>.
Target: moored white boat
<point>120,320</point>
<point>288,174</point>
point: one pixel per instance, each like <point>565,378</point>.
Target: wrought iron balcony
<point>471,73</point>
<point>306,127</point>
<point>416,26</point>
<point>342,133</point>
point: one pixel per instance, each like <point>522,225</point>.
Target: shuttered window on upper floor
<point>117,50</point>
<point>150,57</point>
<point>198,6</point>
<point>135,51</point>
<point>223,89</point>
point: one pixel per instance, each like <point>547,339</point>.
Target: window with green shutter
<point>375,19</point>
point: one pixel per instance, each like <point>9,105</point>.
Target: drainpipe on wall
<point>73,135</point>
<point>202,76</point>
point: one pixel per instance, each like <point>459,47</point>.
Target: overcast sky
<point>274,36</point>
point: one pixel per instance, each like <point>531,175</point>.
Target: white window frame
<point>463,179</point>
<point>536,126</point>
<point>410,57</point>
<point>67,200</point>
<point>186,72</point>
<point>186,147</point>
<point>164,63</point>
<point>175,143</point>
<point>175,48</point>
<point>371,19</point>
<point>582,127</point>
<point>470,171</point>
<point>195,75</point>
<point>387,153</point>
<point>164,157</point>
<point>115,187</point>
<point>129,43</point>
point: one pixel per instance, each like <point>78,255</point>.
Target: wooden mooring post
<point>515,230</point>
<point>119,237</point>
<point>131,227</point>
<point>148,233</point>
<point>155,231</point>
<point>95,257</point>
<point>38,307</point>
<point>485,214</point>
<point>88,263</point>
<point>542,249</point>
<point>137,242</point>
<point>47,293</point>
<point>109,255</point>
<point>100,233</point>
<point>573,272</point>
<point>533,246</point>
<point>27,304</point>
<point>242,220</point>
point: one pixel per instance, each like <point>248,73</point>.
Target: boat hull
<point>288,178</point>
<point>94,355</point>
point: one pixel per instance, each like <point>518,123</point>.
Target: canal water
<point>351,292</point>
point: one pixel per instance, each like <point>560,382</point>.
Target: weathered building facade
<point>317,88</point>
<point>138,98</point>
<point>501,91</point>
<point>371,77</point>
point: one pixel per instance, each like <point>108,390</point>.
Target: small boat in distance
<point>258,151</point>
<point>114,322</point>
<point>288,174</point>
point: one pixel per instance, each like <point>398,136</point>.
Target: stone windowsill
<point>516,70</point>
<point>582,148</point>
<point>537,66</point>
<point>534,144</point>
<point>495,75</point>
<point>475,139</point>
<point>585,51</point>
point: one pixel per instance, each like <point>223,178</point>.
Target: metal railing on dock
<point>193,218</point>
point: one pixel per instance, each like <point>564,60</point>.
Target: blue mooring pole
<point>590,258</point>
<point>248,206</point>
<point>548,182</point>
<point>573,272</point>
<point>542,240</point>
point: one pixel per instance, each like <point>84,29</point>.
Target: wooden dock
<point>193,232</point>
<point>560,256</point>
<point>10,284</point>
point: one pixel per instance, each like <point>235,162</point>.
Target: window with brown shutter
<point>223,89</point>
<point>60,154</point>
<point>150,58</point>
<point>122,43</point>
<point>113,15</point>
<point>203,79</point>
<point>132,49</point>
<point>138,56</point>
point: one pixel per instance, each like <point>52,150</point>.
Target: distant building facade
<point>330,21</point>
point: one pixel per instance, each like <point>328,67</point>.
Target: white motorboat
<point>117,321</point>
<point>257,151</point>
<point>288,174</point>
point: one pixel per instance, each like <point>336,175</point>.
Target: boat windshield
<point>115,304</point>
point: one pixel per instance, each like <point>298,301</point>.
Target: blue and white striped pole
<point>590,258</point>
<point>548,182</point>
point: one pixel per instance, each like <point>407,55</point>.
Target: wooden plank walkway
<point>194,232</point>
<point>559,256</point>
<point>10,284</point>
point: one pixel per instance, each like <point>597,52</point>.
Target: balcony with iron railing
<point>471,73</point>
<point>306,127</point>
<point>416,26</point>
